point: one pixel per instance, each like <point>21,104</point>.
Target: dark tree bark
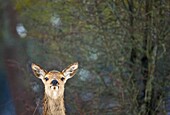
<point>14,57</point>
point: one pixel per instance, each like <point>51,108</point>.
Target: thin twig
<point>36,108</point>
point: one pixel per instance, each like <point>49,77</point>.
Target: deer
<point>54,82</point>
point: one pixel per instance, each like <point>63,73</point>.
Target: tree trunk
<point>14,57</point>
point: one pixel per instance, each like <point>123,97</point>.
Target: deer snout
<point>54,82</point>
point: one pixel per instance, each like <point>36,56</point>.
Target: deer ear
<point>38,71</point>
<point>70,71</point>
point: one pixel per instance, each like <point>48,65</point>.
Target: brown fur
<point>53,106</point>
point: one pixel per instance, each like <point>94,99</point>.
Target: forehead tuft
<point>54,73</point>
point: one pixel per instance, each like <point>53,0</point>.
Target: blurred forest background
<point>122,47</point>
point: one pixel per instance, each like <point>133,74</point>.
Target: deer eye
<point>62,79</point>
<point>46,78</point>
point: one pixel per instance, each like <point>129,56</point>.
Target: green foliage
<point>106,37</point>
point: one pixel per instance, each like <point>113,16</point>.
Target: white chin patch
<point>54,94</point>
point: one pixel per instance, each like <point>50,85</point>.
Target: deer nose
<point>54,82</point>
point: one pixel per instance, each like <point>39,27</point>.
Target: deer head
<point>54,80</point>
